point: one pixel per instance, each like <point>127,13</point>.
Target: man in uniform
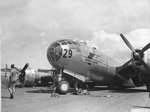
<point>12,80</point>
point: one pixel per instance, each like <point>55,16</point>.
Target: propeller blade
<point>124,65</point>
<point>25,67</point>
<point>145,48</point>
<point>22,75</point>
<point>127,42</point>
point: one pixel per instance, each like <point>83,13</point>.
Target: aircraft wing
<point>138,75</point>
<point>136,67</point>
<point>44,70</point>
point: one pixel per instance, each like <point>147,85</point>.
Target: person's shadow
<point>5,97</point>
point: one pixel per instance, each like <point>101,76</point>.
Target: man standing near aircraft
<point>12,80</point>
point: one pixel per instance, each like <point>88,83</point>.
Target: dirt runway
<point>38,99</point>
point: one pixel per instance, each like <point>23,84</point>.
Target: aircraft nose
<point>54,52</point>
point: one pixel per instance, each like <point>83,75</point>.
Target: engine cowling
<point>33,77</point>
<point>30,77</point>
<point>136,55</point>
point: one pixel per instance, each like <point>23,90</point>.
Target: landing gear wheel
<point>63,87</point>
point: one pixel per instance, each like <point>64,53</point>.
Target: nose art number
<point>67,54</point>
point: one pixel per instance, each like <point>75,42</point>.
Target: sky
<point>28,27</point>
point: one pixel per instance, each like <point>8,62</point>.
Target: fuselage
<point>81,62</point>
<point>81,59</point>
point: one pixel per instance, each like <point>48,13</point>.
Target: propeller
<point>137,55</point>
<point>127,43</point>
<point>22,75</point>
<point>145,48</point>
<point>124,65</point>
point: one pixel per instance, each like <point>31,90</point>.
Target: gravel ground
<point>38,99</point>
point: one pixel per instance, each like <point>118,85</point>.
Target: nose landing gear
<point>60,86</point>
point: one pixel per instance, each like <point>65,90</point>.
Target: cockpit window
<point>76,43</point>
<point>69,42</point>
<point>58,53</point>
<point>60,41</point>
<point>56,45</point>
<point>52,55</point>
<point>64,43</point>
<point>52,49</point>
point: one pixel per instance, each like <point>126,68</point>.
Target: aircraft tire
<point>63,87</point>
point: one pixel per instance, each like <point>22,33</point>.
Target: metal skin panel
<point>148,58</point>
<point>85,61</point>
<point>30,76</point>
<point>90,63</point>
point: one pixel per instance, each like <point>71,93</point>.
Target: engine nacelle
<point>30,77</point>
<point>136,56</point>
<point>33,77</point>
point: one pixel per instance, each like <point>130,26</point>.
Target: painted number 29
<point>67,54</point>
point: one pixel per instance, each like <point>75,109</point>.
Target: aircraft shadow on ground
<point>101,88</point>
<point>128,90</point>
<point>41,91</point>
<point>47,90</point>
<point>141,107</point>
